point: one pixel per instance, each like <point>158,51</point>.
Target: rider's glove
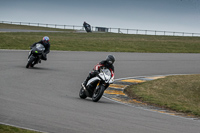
<point>96,72</point>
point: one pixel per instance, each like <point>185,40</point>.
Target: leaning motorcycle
<point>97,85</point>
<point>88,28</point>
<point>35,55</point>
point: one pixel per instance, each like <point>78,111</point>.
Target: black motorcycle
<point>35,55</point>
<point>88,28</point>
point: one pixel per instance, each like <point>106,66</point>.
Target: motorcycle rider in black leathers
<point>85,25</point>
<point>108,63</point>
<point>46,44</point>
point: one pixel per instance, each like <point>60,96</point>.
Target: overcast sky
<point>163,15</point>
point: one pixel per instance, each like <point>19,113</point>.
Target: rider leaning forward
<point>46,44</point>
<point>108,63</point>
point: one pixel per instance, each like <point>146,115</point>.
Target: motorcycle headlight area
<point>107,72</point>
<point>106,75</point>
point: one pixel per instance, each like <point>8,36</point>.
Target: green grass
<point>10,129</point>
<point>72,41</point>
<point>103,42</point>
<point>179,93</point>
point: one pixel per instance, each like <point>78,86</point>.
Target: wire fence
<point>112,30</point>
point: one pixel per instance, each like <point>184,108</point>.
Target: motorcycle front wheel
<point>82,93</point>
<point>98,93</point>
<point>30,64</point>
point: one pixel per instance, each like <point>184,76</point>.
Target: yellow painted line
<point>133,80</point>
<point>173,114</point>
<point>159,77</point>
<point>135,101</point>
<point>128,101</point>
<point>120,100</point>
<point>115,92</point>
<point>117,86</point>
<point>164,112</point>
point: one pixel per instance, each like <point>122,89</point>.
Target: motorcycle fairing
<point>92,80</point>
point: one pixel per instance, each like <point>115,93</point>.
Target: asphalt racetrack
<point>45,98</point>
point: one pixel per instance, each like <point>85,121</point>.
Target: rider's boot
<point>92,74</point>
<point>85,82</point>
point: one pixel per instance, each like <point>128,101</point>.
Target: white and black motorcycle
<point>35,55</point>
<point>97,85</point>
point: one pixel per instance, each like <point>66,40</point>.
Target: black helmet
<point>110,59</point>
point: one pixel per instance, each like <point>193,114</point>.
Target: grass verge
<point>110,42</point>
<point>10,129</point>
<point>179,93</point>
